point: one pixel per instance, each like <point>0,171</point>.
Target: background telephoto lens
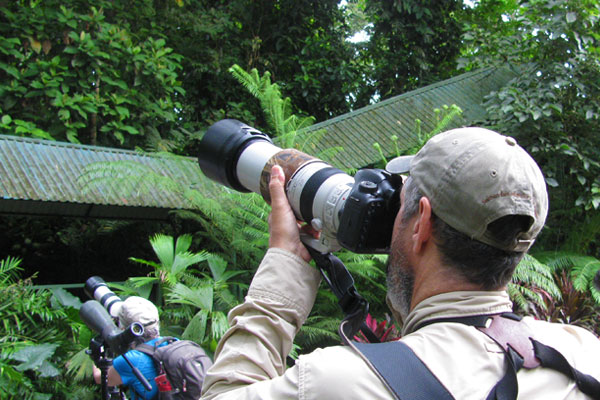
<point>96,288</point>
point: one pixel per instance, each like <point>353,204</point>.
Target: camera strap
<point>341,283</point>
<point>408,377</point>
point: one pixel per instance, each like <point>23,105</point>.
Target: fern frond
<point>251,81</point>
<point>317,330</point>
<point>531,271</point>
<point>581,268</point>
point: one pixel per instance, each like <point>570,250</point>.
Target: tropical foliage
<point>39,333</point>
<point>96,81</point>
<point>193,297</point>
<point>154,74</point>
<point>552,106</point>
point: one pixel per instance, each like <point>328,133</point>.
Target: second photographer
<point>136,309</point>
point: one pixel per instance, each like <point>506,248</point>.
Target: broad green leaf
<point>33,356</point>
<point>66,299</point>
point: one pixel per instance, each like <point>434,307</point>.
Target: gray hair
<point>479,263</point>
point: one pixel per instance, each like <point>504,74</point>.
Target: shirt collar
<point>457,304</point>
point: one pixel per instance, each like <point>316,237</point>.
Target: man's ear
<point>422,228</point>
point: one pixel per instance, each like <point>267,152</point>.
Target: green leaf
<point>64,114</point>
<point>123,111</point>
<point>66,299</point>
<point>70,50</point>
<point>119,136</point>
<point>183,243</point>
<point>6,119</point>
<point>33,356</point>
<point>72,136</point>
<point>551,182</point>
<point>196,329</point>
<point>130,129</point>
<point>217,266</point>
<point>48,370</point>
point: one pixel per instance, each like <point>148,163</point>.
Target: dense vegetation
<point>154,75</point>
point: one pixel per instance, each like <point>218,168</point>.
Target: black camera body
<point>356,213</point>
<point>367,219</point>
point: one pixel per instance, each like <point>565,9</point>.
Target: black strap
<point>507,388</point>
<point>409,378</point>
<point>403,372</point>
<point>551,358</point>
<point>341,283</point>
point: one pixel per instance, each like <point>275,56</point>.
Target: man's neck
<point>433,278</point>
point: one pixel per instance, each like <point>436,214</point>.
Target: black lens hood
<point>221,147</point>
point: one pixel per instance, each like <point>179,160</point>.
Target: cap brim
<point>399,165</point>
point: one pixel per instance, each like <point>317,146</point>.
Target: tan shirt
<point>250,359</point>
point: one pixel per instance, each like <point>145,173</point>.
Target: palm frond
<point>317,330</point>
<point>163,246</point>
<point>200,296</point>
<point>218,324</point>
<point>9,270</point>
<point>196,329</point>
<point>80,366</point>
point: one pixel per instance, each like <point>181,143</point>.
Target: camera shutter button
<point>367,187</point>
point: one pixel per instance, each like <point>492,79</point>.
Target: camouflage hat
<point>472,177</point>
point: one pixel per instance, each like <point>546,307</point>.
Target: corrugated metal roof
<point>43,177</point>
<point>40,177</point>
<point>357,131</point>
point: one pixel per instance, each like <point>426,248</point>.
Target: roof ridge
<point>394,99</point>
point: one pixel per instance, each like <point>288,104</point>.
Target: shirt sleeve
<point>250,358</point>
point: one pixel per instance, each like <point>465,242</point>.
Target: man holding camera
<point>135,309</point>
<point>471,206</point>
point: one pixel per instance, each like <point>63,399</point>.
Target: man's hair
<point>478,262</point>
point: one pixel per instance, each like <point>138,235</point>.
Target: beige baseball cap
<point>137,309</point>
<point>472,177</point>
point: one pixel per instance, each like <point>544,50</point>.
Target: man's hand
<point>113,377</point>
<point>284,229</point>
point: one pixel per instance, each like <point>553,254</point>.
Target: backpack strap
<point>522,351</point>
<point>149,350</point>
<point>402,371</point>
<point>551,358</point>
<point>411,379</point>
